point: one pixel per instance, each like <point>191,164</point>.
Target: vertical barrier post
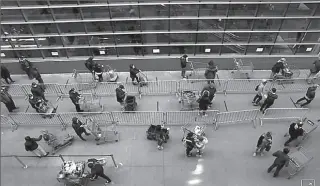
<point>158,106</point>
<point>63,125</point>
<point>60,156</point>
<point>114,162</point>
<point>226,87</point>
<point>19,160</point>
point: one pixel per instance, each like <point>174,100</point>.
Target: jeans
<point>78,107</point>
<point>188,150</point>
<point>7,81</point>
<point>304,98</point>
<point>39,151</point>
<point>135,78</point>
<point>183,72</point>
<point>257,98</point>
<point>102,175</point>
<point>265,105</point>
<point>290,140</point>
<point>272,75</point>
<point>279,167</point>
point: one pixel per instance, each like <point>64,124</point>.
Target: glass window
<point>318,9</point>
<point>11,15</point>
<point>95,12</point>
<point>44,29</point>
<point>101,40</point>
<point>308,49</point>
<point>182,50</point>
<point>183,24</point>
<point>37,2</point>
<point>235,49</point>
<point>183,38</point>
<point>282,49</point>
<point>259,49</point>
<point>54,53</point>
<point>16,29</point>
<point>236,37</point>
<point>239,24</point>
<point>67,13</point>
<point>126,26</point>
<point>294,24</point>
<point>213,10</point>
<point>209,38</point>
<point>128,51</point>
<point>124,11</point>
<point>214,49</point>
<point>271,10</point>
<point>99,27</point>
<point>211,24</point>
<point>71,27</point>
<point>156,38</point>
<point>38,14</point>
<point>8,54</point>
<point>315,24</point>
<point>30,53</point>
<point>288,37</point>
<point>155,25</point>
<point>27,42</point>
<point>8,3</point>
<point>5,43</point>
<point>184,10</point>
<point>154,11</point>
<point>267,24</point>
<point>49,41</point>
<point>242,9</point>
<point>59,2</point>
<point>75,40</point>
<point>300,9</point>
<point>78,52</point>
<point>313,37</point>
<point>125,39</point>
<point>158,51</point>
<point>103,51</point>
<point>263,37</point>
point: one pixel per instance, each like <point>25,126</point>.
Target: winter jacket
<point>134,72</point>
<point>25,64</point>
<point>311,93</point>
<point>316,68</point>
<point>5,97</point>
<point>183,62</point>
<point>98,69</point>
<point>295,133</point>
<point>261,88</point>
<point>282,158</point>
<point>4,72</point>
<point>75,97</point>
<point>97,169</point>
<point>204,102</point>
<point>277,67</point>
<point>37,91</point>
<point>32,144</point>
<point>271,97</point>
<point>262,138</point>
<point>89,64</point>
<point>33,102</point>
<point>212,91</point>
<point>120,94</point>
<point>210,72</point>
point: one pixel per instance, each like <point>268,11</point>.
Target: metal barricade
<point>34,119</point>
<point>66,118</point>
<point>8,122</point>
<point>244,85</point>
<point>16,90</point>
<point>199,84</point>
<point>138,118</point>
<point>291,85</point>
<point>106,89</point>
<point>182,118</point>
<point>51,89</point>
<point>298,160</point>
<point>64,89</point>
<point>224,118</point>
<point>284,114</point>
<point>160,88</point>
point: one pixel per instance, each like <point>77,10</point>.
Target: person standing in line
<point>5,74</point>
<point>310,95</point>
<point>269,101</point>
<point>38,91</point>
<point>183,63</point>
<point>33,101</point>
<point>120,94</point>
<point>211,72</point>
<point>281,161</point>
<point>204,102</point>
<point>77,126</point>
<point>7,100</point>
<point>277,67</point>
<point>133,73</point>
<point>89,63</point>
<point>260,92</point>
<point>32,145</point>
<point>98,171</point>
<point>264,143</point>
<point>212,91</point>
<point>75,97</point>
<point>295,130</point>
<point>314,70</point>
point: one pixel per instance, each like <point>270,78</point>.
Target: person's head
<point>185,56</point>
<point>300,124</point>
<point>34,84</point>
<point>121,86</point>
<point>27,138</point>
<point>190,134</point>
<point>273,90</point>
<point>286,150</point>
<point>269,134</point>
<point>264,81</point>
<point>90,58</point>
<point>131,66</point>
<point>72,90</point>
<point>205,93</point>
<point>211,63</point>
<point>282,60</point>
<point>90,165</point>
<point>211,85</point>
<point>30,96</point>
<point>74,120</point>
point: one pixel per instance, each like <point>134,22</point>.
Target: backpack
<point>257,88</point>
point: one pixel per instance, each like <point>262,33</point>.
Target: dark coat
<point>282,158</point>
<point>37,91</point>
<point>271,97</point>
<point>183,62</point>
<point>32,144</point>
<point>77,128</point>
<point>311,93</point>
<point>277,67</point>
<point>134,72</point>
<point>4,72</point>
<point>295,133</point>
<point>204,102</point>
<point>75,97</point>
<point>97,169</point>
<point>120,94</point>
<point>212,91</point>
<point>90,65</point>
<point>5,97</point>
<point>211,72</point>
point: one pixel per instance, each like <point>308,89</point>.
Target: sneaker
<point>254,154</point>
<point>255,104</point>
<point>189,155</point>
<point>261,154</point>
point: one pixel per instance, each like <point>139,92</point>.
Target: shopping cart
<point>108,134</point>
<point>85,80</point>
<point>72,173</point>
<point>298,160</point>
<point>55,143</point>
<point>242,69</point>
<point>188,100</point>
<point>110,74</point>
<point>46,109</point>
<point>287,75</point>
<point>90,103</point>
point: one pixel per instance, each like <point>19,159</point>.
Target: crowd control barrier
<point>284,114</point>
<point>227,118</point>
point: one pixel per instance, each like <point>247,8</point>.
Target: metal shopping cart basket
<point>85,80</point>
<point>110,74</point>
<point>298,160</point>
<point>287,75</point>
<point>242,69</point>
<point>90,103</point>
<point>188,100</point>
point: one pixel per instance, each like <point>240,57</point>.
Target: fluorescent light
<point>102,52</point>
<point>54,53</point>
<point>26,46</point>
<point>156,51</point>
<point>309,49</point>
<point>207,50</point>
<point>194,182</point>
<point>13,40</point>
<point>6,46</point>
<point>30,39</point>
<point>259,50</point>
<point>3,55</point>
<point>42,39</point>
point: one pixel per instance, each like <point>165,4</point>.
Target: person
<point>277,67</point>
<point>32,145</point>
<point>190,144</point>
<point>310,95</point>
<point>270,100</point>
<point>98,171</point>
<point>264,143</point>
<point>89,63</point>
<point>260,91</point>
<point>160,137</point>
<point>26,66</point>
<point>204,102</point>
<point>183,64</point>
<point>295,130</point>
<point>38,91</point>
<point>281,161</point>
<point>133,73</point>
<point>75,97</point>
<point>5,74</point>
<point>212,91</point>
<point>211,72</point>
<point>120,94</point>
<point>37,76</point>
<point>33,101</point>
<point>7,100</point>
<point>314,70</point>
<point>98,70</point>
<point>77,125</point>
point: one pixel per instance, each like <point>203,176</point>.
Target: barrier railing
<point>8,122</point>
<point>227,118</point>
<point>190,117</point>
<point>284,114</point>
<point>166,87</point>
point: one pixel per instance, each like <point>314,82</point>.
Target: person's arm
<point>276,154</point>
<point>37,139</point>
<point>260,140</point>
<point>287,161</point>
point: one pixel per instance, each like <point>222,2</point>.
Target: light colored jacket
<point>261,89</point>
